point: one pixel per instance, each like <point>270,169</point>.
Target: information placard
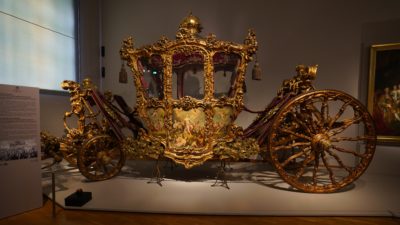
<point>20,175</point>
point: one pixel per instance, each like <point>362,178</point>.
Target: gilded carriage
<point>189,91</point>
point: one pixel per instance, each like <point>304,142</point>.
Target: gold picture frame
<point>384,91</point>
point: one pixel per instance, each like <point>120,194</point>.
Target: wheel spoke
<point>348,169</point>
<point>288,147</point>
<point>307,116</point>
<point>339,113</point>
<point>323,114</point>
<point>348,151</point>
<point>282,141</point>
<point>328,167</point>
<point>304,165</point>
<point>325,110</point>
<point>295,134</point>
<point>315,111</point>
<point>297,155</point>
<point>346,123</point>
<point>315,170</point>
<point>298,120</point>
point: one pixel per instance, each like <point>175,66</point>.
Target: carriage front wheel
<point>101,158</point>
<point>69,151</point>
<point>321,141</point>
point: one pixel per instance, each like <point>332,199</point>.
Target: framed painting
<point>384,91</point>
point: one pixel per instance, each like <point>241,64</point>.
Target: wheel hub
<point>103,157</point>
<point>320,143</point>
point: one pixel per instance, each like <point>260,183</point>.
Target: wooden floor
<point>43,216</point>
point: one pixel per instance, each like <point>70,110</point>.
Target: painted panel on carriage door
<point>20,173</point>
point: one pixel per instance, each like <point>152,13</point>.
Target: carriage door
<point>188,136</point>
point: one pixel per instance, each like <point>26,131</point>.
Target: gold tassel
<point>123,75</point>
<point>256,72</point>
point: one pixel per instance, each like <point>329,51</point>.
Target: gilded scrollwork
<point>251,43</point>
<point>190,50</point>
<point>143,147</point>
<point>155,103</point>
<point>187,103</point>
<point>89,122</point>
<point>300,83</point>
<point>236,149</point>
<point>50,146</point>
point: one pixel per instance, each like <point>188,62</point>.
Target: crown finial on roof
<point>189,27</point>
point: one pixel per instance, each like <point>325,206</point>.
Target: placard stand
<point>53,197</point>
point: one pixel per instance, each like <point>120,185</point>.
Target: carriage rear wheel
<point>321,141</point>
<point>101,158</point>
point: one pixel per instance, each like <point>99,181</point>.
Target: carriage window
<point>225,66</point>
<point>188,75</point>
<point>152,75</point>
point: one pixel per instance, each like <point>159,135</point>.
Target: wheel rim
<point>322,141</point>
<point>101,158</point>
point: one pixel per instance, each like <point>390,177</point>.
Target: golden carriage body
<point>189,91</point>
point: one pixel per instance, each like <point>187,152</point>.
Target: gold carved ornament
<point>94,145</point>
<point>208,141</point>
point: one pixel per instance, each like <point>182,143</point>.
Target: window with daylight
<point>37,42</point>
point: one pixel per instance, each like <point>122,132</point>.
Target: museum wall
<point>288,32</point>
<point>332,34</point>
